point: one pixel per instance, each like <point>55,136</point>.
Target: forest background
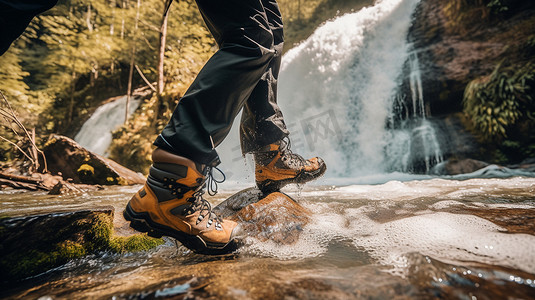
<point>80,53</point>
<point>74,56</point>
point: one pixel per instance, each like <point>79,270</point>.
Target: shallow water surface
<point>470,239</point>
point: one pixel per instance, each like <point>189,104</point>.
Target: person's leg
<point>263,130</point>
<point>262,122</point>
<point>204,115</point>
<point>15,15</point>
<point>171,201</point>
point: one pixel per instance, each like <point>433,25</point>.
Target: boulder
<point>275,216</point>
<point>32,244</point>
<point>67,158</point>
<point>460,166</point>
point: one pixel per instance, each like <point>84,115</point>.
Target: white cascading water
<point>337,91</point>
<point>96,133</point>
<point>413,142</point>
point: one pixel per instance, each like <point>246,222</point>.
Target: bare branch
<point>11,114</point>
<point>20,149</point>
<point>145,79</point>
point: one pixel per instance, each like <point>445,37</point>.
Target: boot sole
<point>143,223</point>
<point>270,186</point>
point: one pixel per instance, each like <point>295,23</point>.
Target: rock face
<point>275,216</point>
<point>74,162</point>
<point>456,46</point>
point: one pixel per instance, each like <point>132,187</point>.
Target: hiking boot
<point>276,166</point>
<point>171,203</point>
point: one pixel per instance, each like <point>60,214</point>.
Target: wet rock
<point>460,166</point>
<point>275,216</point>
<point>33,244</point>
<point>514,220</point>
<point>66,157</point>
<point>36,243</point>
<point>455,281</point>
<point>527,165</point>
<point>187,287</point>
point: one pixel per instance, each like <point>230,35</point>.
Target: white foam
<point>449,236</point>
<point>426,229</point>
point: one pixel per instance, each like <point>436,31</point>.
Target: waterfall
<point>339,90</point>
<point>413,145</point>
<point>96,133</point>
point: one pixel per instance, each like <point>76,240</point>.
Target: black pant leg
<point>262,122</point>
<point>204,115</point>
<point>15,15</point>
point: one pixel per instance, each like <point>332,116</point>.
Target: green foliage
<point>498,6</point>
<point>497,102</point>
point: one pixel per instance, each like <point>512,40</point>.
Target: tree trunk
<point>73,89</point>
<point>132,62</point>
<point>161,58</point>
<point>161,54</point>
<point>88,19</point>
<point>34,152</point>
<point>112,22</point>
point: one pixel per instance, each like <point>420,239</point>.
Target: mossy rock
<point>34,244</point>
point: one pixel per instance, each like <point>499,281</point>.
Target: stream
<point>456,239</point>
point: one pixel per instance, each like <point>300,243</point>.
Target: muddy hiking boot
<point>171,203</point>
<point>276,166</point>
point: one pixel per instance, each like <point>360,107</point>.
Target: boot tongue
<point>284,146</point>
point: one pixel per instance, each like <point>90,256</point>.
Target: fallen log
<point>20,178</point>
<point>20,185</point>
<point>22,182</point>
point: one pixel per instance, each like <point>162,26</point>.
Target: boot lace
<point>212,182</point>
<point>288,156</point>
<point>198,202</point>
<point>202,205</point>
<point>205,210</point>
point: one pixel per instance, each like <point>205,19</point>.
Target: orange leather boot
<point>276,166</point>
<point>171,204</point>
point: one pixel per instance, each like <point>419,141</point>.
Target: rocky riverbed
<point>421,238</point>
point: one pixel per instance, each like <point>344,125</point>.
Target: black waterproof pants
<point>241,74</point>
<point>15,15</point>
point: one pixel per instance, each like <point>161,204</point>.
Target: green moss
<point>86,170</point>
<point>121,181</point>
<point>20,265</point>
<point>138,242</point>
<point>98,237</point>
